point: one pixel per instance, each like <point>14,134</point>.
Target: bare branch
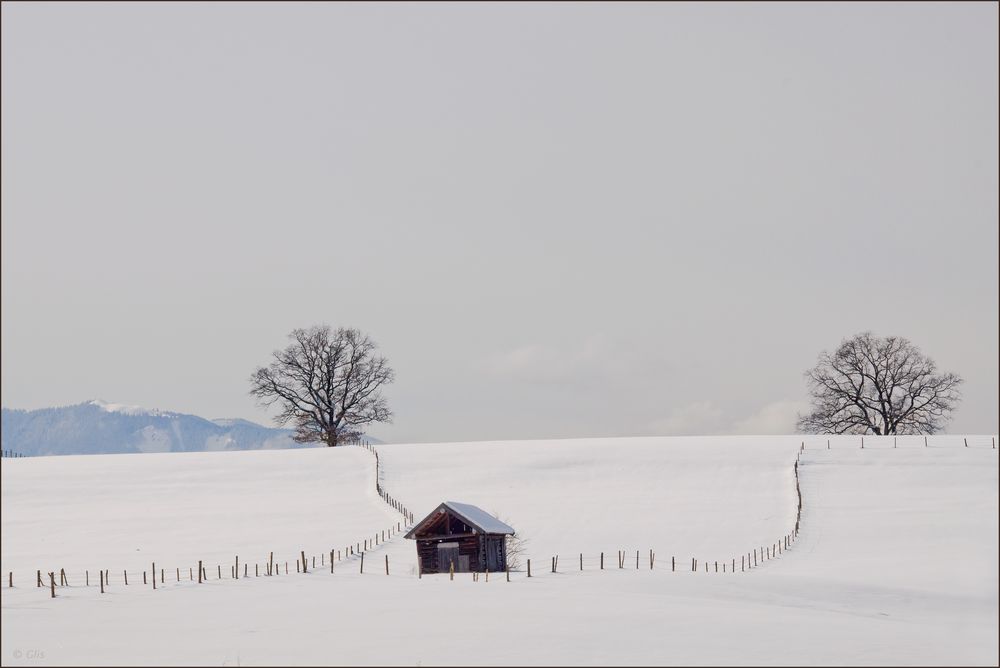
<point>872,385</point>
<point>327,384</point>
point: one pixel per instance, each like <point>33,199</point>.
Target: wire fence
<point>394,503</point>
<point>870,442</point>
<point>204,572</point>
<point>354,553</point>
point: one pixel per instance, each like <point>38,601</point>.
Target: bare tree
<point>875,385</point>
<point>328,384</point>
<point>516,546</point>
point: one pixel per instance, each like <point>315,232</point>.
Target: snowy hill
<point>98,427</point>
<point>896,563</point>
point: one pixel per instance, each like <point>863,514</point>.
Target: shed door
<point>448,554</point>
<point>494,553</point>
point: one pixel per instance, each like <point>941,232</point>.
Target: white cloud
<point>706,418</point>
<point>595,358</point>
<point>777,417</point>
<point>700,417</point>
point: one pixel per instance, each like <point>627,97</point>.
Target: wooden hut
<point>463,535</point>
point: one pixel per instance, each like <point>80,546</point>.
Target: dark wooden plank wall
<point>427,550</point>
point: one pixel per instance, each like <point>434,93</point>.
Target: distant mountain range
<point>98,427</point>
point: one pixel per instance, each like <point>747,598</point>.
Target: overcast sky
<point>556,220</point>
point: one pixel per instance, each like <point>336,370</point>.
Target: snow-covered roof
<point>478,517</point>
<point>474,516</point>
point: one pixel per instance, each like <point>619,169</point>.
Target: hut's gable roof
<point>474,516</point>
<point>478,517</point>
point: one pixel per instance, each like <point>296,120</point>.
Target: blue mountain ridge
<point>97,427</point>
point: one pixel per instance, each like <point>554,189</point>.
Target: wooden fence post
<point>387,564</point>
<point>362,562</point>
<point>303,553</point>
<point>451,569</point>
<point>673,563</point>
<point>529,567</point>
<point>126,577</point>
<point>637,560</point>
<point>52,583</point>
<point>153,573</point>
<point>581,561</point>
<point>39,576</point>
<point>602,561</point>
<point>331,561</point>
<point>199,571</point>
<point>102,582</point>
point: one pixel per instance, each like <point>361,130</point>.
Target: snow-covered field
<point>126,511</point>
<point>896,562</point>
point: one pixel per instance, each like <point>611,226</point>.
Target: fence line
<point>270,568</point>
<point>898,441</point>
<point>748,560</point>
<point>394,503</point>
<point>753,558</point>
